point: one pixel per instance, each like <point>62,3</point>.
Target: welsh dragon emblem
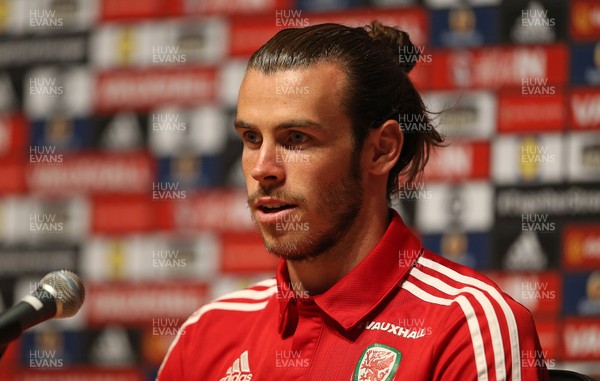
<point>377,363</point>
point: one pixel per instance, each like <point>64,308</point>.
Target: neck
<point>319,274</point>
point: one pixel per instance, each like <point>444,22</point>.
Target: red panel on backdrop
<point>518,113</point>
<point>14,134</point>
<point>160,305</point>
<point>12,173</point>
<point>249,34</point>
<point>585,108</point>
<point>130,172</point>
<point>500,67</point>
<point>143,89</point>
<point>245,253</point>
<point>121,214</point>
<point>221,7</point>
<point>112,10</point>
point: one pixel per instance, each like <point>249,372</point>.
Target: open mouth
<point>275,208</point>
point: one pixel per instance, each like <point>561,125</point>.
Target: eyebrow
<point>304,123</point>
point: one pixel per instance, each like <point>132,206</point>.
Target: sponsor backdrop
<point>118,160</point>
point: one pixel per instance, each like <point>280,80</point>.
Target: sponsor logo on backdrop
<point>495,67</point>
<point>557,201</point>
<point>30,260</point>
<point>584,157</point>
<point>466,207</point>
<point>525,253</point>
<point>528,158</point>
<point>535,25</point>
<point>462,25</point>
<point>464,114</point>
<point>581,246</point>
<point>460,160</point>
<point>581,339</point>
<point>29,52</point>
<point>585,63</point>
<point>585,19</point>
<point>111,347</point>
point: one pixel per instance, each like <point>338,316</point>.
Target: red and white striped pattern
<point>454,287</point>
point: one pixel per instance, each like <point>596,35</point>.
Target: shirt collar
<point>364,288</point>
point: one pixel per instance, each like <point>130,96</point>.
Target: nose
<point>268,168</point>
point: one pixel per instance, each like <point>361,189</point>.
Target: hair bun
<point>397,42</point>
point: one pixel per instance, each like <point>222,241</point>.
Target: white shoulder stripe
<point>249,294</point>
<point>247,307</point>
<point>513,330</point>
<point>266,283</point>
<point>478,348</point>
<point>490,314</point>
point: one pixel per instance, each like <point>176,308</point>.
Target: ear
<point>384,145</point>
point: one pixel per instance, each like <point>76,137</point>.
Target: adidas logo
<point>240,370</point>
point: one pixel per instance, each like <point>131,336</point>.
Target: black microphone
<point>60,294</point>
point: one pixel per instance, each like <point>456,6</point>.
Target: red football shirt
<point>402,314</point>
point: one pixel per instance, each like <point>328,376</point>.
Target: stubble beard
<point>339,207</point>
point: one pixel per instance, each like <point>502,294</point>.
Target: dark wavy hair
<point>376,59</point>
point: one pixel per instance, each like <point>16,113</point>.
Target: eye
<point>252,137</point>
<point>298,137</point>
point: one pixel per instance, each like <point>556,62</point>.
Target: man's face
<point>302,175</point>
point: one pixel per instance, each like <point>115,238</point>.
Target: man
<point>356,296</point>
